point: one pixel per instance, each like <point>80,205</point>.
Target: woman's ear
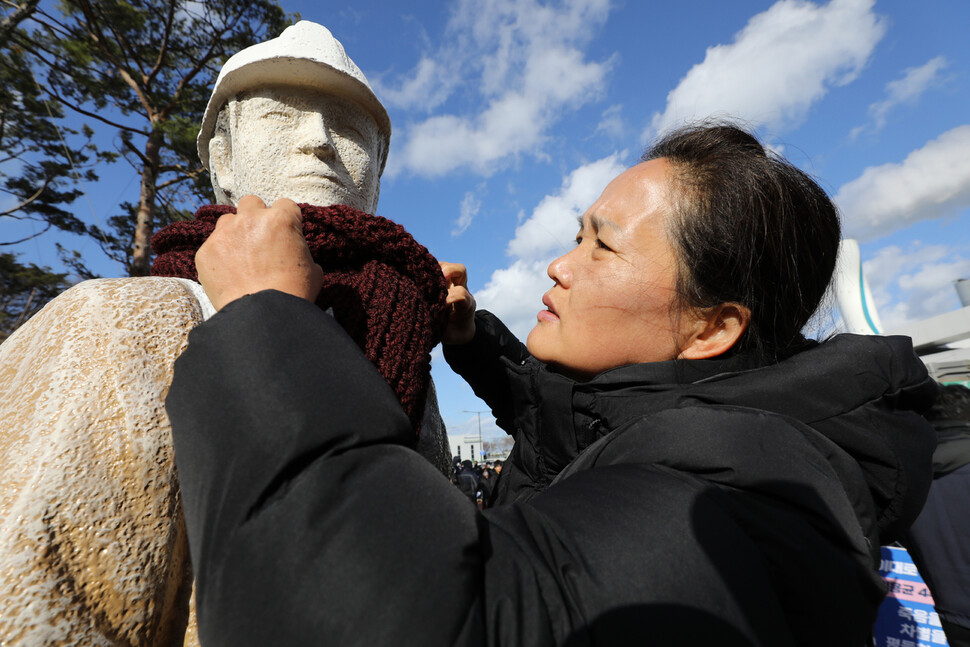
<point>716,331</point>
<point>220,165</point>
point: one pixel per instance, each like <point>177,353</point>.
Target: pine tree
<point>24,290</point>
<point>37,180</point>
<point>142,71</point>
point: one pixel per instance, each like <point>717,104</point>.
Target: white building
<point>468,447</point>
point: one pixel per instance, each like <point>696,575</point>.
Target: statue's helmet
<point>305,55</point>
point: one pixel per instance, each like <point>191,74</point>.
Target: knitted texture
<point>385,289</point>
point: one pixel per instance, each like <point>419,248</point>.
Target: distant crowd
<point>477,481</point>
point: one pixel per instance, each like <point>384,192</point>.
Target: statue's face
<point>303,145</point>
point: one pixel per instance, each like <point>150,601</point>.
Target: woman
<point>687,468</point>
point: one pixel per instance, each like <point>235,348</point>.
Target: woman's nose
<point>560,271</point>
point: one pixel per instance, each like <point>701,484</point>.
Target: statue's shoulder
<point>93,311</point>
<point>165,299</point>
<point>86,460</point>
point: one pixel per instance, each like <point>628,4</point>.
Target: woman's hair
<point>749,228</point>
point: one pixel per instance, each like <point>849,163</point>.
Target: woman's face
<point>614,300</point>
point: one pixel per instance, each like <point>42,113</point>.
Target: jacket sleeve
<point>310,520</point>
<point>484,364</point>
<point>308,514</point>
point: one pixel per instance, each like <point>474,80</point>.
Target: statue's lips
<point>318,176</point>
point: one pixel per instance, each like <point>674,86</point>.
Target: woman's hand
<point>258,248</point>
<point>461,303</point>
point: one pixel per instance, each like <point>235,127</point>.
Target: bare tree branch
<point>31,237</point>
<point>15,153</point>
<point>163,47</point>
<point>198,67</point>
<point>94,115</point>
<point>23,204</point>
<point>131,59</point>
<point>19,15</point>
<point>97,37</point>
<point>176,180</point>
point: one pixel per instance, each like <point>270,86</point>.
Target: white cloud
<point>612,124</point>
<point>515,292</point>
<point>425,88</point>
<point>782,62</point>
<point>914,82</point>
<point>469,208</point>
<point>913,284</point>
<point>932,182</point>
<point>468,425</point>
<point>552,226</point>
<point>526,63</point>
<point>777,149</point>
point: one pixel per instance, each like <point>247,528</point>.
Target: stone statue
<point>92,542</point>
<point>295,117</point>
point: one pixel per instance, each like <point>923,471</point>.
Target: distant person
<point>490,485</point>
<point>468,481</point>
<point>939,540</point>
<point>484,481</point>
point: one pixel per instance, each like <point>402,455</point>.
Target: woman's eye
<point>601,245</point>
<point>579,240</point>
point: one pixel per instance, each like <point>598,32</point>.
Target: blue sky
<point>510,116</point>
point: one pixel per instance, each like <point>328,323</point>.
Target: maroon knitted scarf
<point>385,289</point>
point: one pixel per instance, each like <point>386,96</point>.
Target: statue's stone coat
<point>92,542</point>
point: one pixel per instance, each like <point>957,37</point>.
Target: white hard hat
<point>305,55</point>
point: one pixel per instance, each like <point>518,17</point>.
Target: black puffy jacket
<point>674,503</point>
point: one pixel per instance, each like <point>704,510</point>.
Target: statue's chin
<point>319,191</point>
<point>324,191</point>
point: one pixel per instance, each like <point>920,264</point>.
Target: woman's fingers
<point>455,273</point>
<point>461,303</point>
<point>258,248</point>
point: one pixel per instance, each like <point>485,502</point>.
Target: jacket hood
<point>857,400</point>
